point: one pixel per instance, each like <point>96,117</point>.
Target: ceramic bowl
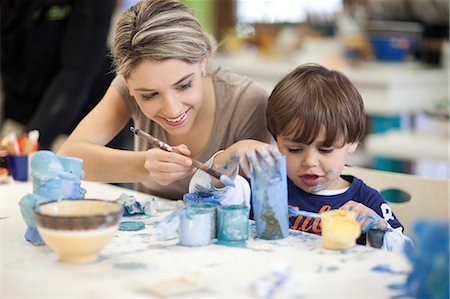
<point>77,229</point>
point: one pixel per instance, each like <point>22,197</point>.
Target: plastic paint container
<point>195,227</point>
<point>269,201</point>
<point>212,210</point>
<point>232,225</point>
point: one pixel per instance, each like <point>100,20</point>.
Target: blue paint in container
<point>212,210</point>
<point>232,225</point>
<point>269,201</point>
<point>199,197</point>
<point>195,227</point>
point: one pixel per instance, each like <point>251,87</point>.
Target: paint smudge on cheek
<point>333,172</point>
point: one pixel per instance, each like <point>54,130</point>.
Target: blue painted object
<point>54,178</point>
<point>195,227</point>
<point>269,201</point>
<point>232,225</point>
<point>430,260</point>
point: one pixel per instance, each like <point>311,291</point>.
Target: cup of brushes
<point>19,150</point>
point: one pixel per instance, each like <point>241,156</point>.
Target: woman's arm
<point>89,138</point>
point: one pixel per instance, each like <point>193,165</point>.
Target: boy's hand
<point>252,152</point>
<point>365,216</point>
<point>167,167</point>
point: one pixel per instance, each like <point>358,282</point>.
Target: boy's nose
<point>309,159</point>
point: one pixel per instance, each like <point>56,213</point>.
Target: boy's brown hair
<point>312,97</point>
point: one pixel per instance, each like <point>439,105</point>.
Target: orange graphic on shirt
<point>308,224</point>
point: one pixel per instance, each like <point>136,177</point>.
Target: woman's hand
<point>168,167</point>
<point>365,216</point>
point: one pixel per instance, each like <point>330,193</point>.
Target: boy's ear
<point>352,147</point>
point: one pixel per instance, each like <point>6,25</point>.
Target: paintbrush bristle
<point>226,180</point>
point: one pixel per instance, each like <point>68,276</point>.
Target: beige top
<point>240,114</point>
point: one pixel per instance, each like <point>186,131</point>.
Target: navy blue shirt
<point>358,191</point>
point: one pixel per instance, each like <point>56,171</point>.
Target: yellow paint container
<point>339,229</point>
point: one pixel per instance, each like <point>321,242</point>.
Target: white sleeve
<point>228,195</point>
<point>395,241</point>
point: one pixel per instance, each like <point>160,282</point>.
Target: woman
<point>161,56</point>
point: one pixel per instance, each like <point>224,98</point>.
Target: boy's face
<point>314,167</point>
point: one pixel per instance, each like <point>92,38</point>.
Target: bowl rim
<point>39,214</point>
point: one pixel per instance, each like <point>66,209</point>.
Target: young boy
<point>317,118</point>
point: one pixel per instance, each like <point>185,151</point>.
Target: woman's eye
<point>185,86</point>
<point>148,96</point>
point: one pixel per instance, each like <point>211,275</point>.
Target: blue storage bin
<point>390,48</point>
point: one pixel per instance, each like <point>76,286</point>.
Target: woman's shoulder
<point>226,76</point>
<point>231,85</point>
<point>119,84</point>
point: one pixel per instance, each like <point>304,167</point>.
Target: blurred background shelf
<point>408,145</point>
<point>387,88</point>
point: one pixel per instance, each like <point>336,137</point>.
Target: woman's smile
<point>177,121</point>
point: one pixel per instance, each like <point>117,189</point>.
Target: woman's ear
<point>203,65</point>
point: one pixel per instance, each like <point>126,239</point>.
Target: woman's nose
<point>172,106</point>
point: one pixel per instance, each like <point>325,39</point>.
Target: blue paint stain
<point>131,266</point>
<point>398,286</point>
<point>383,268</point>
<point>142,235</point>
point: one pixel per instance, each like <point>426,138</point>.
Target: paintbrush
<point>298,212</point>
<point>226,180</point>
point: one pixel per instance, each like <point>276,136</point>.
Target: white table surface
<point>133,264</point>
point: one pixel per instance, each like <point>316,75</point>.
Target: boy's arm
<point>369,216</point>
<point>394,241</point>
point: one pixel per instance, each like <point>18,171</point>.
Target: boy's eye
<point>185,86</point>
<point>294,149</point>
<point>326,149</point>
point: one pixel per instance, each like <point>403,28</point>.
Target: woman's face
<point>169,92</point>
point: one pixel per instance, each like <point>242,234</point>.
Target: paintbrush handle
<point>206,169</point>
<point>162,145</point>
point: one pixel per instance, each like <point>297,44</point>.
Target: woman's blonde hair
<point>158,29</point>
